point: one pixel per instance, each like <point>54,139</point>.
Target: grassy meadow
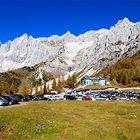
<point>71,120</point>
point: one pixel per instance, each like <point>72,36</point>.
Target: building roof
<point>93,78</point>
<point>87,77</point>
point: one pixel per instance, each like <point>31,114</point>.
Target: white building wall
<point>89,82</point>
<point>102,82</point>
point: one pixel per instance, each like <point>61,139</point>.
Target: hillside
<point>21,80</point>
<point>26,59</point>
<point>124,72</point>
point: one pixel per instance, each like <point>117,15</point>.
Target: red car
<point>86,98</point>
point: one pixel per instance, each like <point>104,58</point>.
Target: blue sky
<point>41,18</point>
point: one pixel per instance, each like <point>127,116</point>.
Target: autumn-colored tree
<point>32,80</point>
<point>71,81</point>
<point>45,88</point>
<point>4,87</point>
<point>125,78</point>
<point>48,88</point>
<point>64,83</point>
<point>36,90</point>
<point>126,71</point>
<point>47,77</point>
<point>54,86</point>
<point>136,75</point>
<point>59,85</point>
<point>13,88</point>
<point>25,87</point>
<point>41,90</point>
<point>39,82</point>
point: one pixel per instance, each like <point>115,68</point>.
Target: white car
<point>58,97</point>
<point>101,98</point>
<point>51,97</point>
<point>79,97</point>
<point>123,98</point>
<point>133,98</point>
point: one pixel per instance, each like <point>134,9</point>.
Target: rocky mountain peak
<point>53,37</point>
<point>68,32</point>
<point>25,35</point>
<point>92,50</point>
<point>68,36</point>
<point>124,22</point>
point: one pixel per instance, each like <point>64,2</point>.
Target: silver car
<point>3,102</point>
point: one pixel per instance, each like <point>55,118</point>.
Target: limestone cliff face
<point>91,51</point>
<point>120,41</point>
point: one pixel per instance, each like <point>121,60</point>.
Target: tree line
<point>59,85</point>
<point>23,82</point>
<point>125,72</point>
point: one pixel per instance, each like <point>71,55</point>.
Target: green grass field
<point>71,120</point>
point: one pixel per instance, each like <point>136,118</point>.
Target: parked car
<point>16,98</point>
<point>123,98</point>
<point>3,102</point>
<point>30,97</point>
<point>10,100</point>
<point>22,97</point>
<point>113,97</point>
<point>41,97</point>
<point>35,98</point>
<point>79,97</point>
<point>45,97</point>
<point>101,98</point>
<point>133,98</point>
<point>86,98</point>
<point>70,97</point>
<point>138,96</point>
<point>19,96</point>
<point>92,96</point>
<point>51,97</point>
<point>58,97</point>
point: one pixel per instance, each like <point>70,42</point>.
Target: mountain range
<point>60,55</point>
